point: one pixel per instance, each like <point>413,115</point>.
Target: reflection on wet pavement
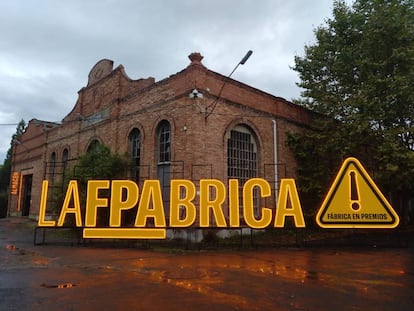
<point>16,258</point>
<point>91,278</point>
<point>238,278</point>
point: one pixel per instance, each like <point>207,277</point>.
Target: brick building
<point>193,125</point>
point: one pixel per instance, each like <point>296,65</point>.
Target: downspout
<point>274,125</point>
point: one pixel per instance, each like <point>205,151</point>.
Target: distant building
<point>176,128</point>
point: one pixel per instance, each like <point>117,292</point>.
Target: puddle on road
<point>223,278</point>
<point>312,275</point>
<point>11,247</point>
<point>61,285</point>
<point>227,277</point>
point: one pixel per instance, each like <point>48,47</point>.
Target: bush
<point>98,163</point>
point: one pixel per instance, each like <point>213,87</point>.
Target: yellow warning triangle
<point>354,201</point>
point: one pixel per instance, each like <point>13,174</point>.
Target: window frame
<point>164,142</point>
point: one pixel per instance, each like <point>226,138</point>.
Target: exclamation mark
<point>354,191</point>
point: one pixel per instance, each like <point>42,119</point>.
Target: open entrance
<point>26,194</point>
<point>164,176</point>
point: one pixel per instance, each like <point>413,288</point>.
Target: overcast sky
<point>47,48</point>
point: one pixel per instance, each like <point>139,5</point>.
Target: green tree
<point>5,169</point>
<point>359,77</point>
<point>99,163</point>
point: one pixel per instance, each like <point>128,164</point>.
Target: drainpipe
<point>275,155</point>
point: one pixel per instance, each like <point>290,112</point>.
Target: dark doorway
<point>164,176</point>
<point>27,194</point>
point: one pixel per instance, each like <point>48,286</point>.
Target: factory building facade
<point>196,124</point>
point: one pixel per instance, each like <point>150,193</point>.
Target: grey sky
<point>47,47</point>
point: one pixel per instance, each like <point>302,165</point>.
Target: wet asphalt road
<point>53,277</point>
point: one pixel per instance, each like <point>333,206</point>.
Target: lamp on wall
<point>214,104</point>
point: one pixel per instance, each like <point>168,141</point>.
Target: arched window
<point>164,142</point>
<point>52,170</point>
<point>135,151</point>
<point>93,146</point>
<point>164,161</point>
<point>135,145</point>
<point>242,159</point>
<point>53,159</point>
<point>65,156</point>
<point>65,159</point>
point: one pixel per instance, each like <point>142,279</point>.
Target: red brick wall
<point>196,139</point>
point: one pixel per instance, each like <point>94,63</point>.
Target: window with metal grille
<point>241,155</point>
<point>242,160</point>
